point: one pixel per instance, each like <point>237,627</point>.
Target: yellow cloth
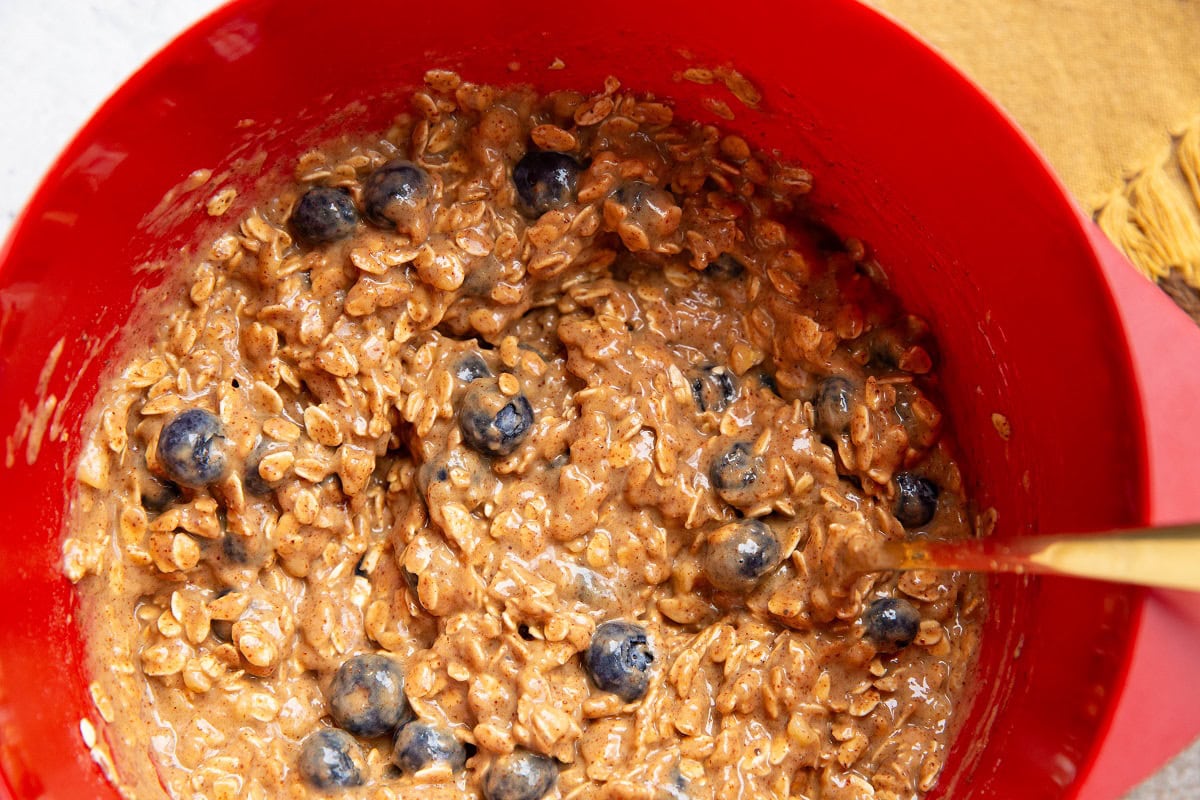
<point>1108,89</point>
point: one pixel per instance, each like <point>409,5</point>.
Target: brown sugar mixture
<point>520,453</point>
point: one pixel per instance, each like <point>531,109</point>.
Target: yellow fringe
<point>1189,159</point>
<point>1154,218</point>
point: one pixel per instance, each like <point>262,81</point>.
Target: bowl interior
<point>973,231</point>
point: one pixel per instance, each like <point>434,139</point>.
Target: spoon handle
<point>1163,557</point>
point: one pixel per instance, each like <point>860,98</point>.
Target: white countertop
<point>61,58</point>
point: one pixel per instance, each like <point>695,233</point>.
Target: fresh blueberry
<point>545,181</point>
<point>329,759</point>
<point>520,775</point>
<point>419,745</point>
<point>393,192</point>
<point>191,449</point>
<point>458,468</point>
<point>767,380</point>
<point>891,623</point>
<point>916,500</point>
<point>634,195</point>
<point>431,473</point>
<point>233,548</point>
<point>157,494</point>
<point>735,471</point>
<point>833,406</point>
<point>255,483</point>
<point>619,659</point>
<point>367,695</point>
<point>324,214</point>
<point>725,267</point>
<point>252,479</point>
<point>471,367</point>
<point>493,423</point>
<point>741,554</point>
<point>714,389</point>
<point>884,349</point>
<point>646,206</point>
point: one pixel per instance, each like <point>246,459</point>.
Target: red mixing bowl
<point>1082,687</point>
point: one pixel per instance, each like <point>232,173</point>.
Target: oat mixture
<point>522,452</point>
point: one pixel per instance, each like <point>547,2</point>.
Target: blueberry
<point>252,479</point>
<point>520,775</point>
<point>419,745</point>
<point>367,695</point>
<point>735,471</point>
<point>634,195</point>
<point>714,388</point>
<point>725,267</point>
<point>545,181</point>
<point>254,482</point>
<point>493,423</point>
<point>324,214</point>
<point>619,658</point>
<point>767,380</point>
<point>647,206</point>
<point>432,472</point>
<point>330,759</point>
<point>891,624</point>
<point>885,348</point>
<point>833,406</point>
<point>471,367</point>
<point>458,470</point>
<point>191,449</point>
<point>157,494</point>
<point>916,500</point>
<point>392,193</point>
<point>741,554</point>
<point>233,548</point>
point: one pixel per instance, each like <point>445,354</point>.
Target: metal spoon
<point>1166,557</point>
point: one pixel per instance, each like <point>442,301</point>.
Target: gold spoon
<point>1166,557</point>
